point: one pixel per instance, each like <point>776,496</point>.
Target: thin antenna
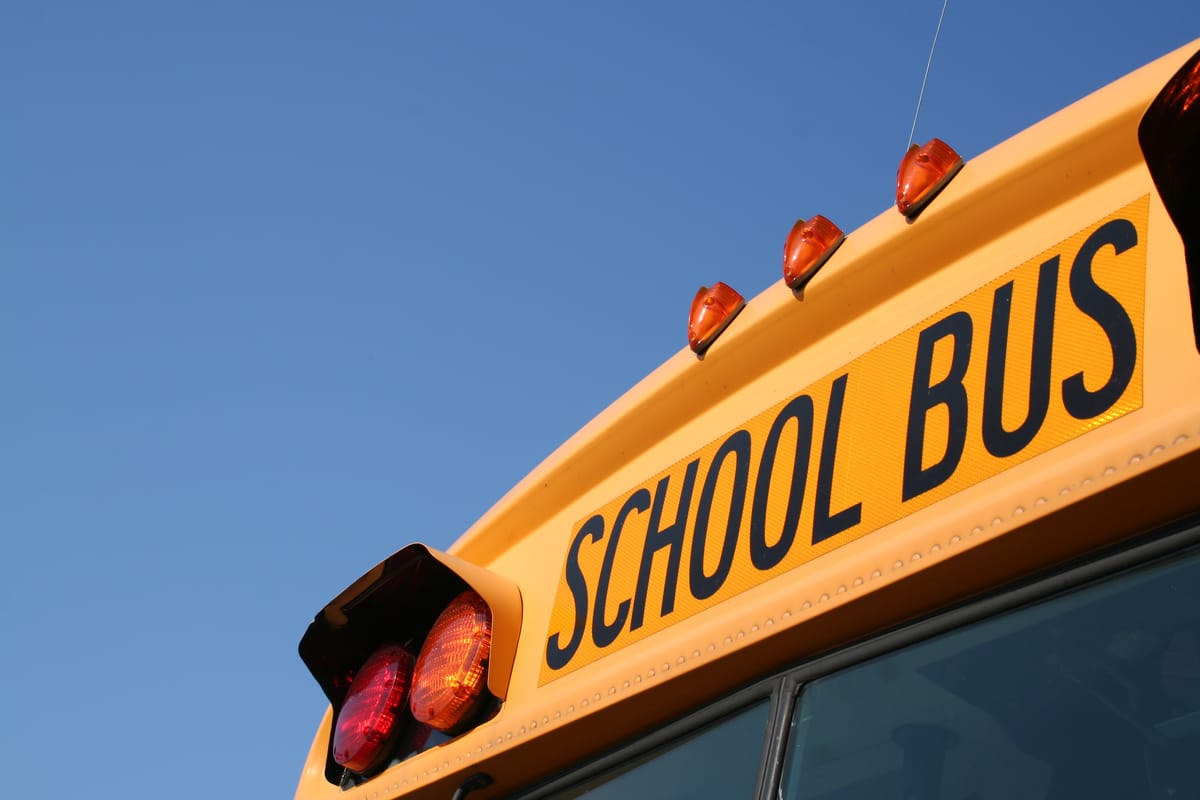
<point>928,64</point>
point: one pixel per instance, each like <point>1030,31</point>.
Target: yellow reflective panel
<point>1036,357</point>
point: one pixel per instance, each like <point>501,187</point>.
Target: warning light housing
<point>399,607</point>
<point>1169,135</point>
<point>370,716</point>
<point>924,172</point>
<point>808,247</point>
<point>448,681</point>
<point>712,311</point>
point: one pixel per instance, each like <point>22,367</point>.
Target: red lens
<point>450,676</point>
<point>370,716</point>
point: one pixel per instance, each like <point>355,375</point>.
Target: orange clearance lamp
<point>808,247</point>
<point>924,171</point>
<point>712,311</point>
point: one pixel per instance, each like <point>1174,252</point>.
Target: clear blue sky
<point>287,285</point>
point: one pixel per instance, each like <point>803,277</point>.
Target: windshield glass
<point>1094,694</point>
<point>720,760</point>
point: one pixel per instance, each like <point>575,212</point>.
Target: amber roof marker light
<point>808,247</point>
<point>925,169</point>
<point>924,172</point>
<point>713,309</point>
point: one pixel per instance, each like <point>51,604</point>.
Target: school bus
<point>920,520</point>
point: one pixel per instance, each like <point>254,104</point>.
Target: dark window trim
<point>771,770</point>
<point>783,688</point>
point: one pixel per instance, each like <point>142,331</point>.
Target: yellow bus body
<point>914,536</point>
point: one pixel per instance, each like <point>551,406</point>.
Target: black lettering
<point>604,633</point>
<point>998,441</point>
<point>557,656</point>
<point>765,556</point>
<point>658,537</point>
<point>950,393</point>
<point>705,586</point>
<point>825,525</point>
<point>1108,312</point>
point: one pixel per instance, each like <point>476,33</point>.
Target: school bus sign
<point>1038,356</point>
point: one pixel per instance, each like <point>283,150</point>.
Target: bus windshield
<point>1094,694</point>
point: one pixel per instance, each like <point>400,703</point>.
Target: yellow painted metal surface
<point>1037,356</point>
<point>1106,460</point>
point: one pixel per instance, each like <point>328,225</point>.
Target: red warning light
<point>808,247</point>
<point>1169,135</point>
<point>370,715</point>
<point>712,311</point>
<point>450,678</point>
<point>924,171</point>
